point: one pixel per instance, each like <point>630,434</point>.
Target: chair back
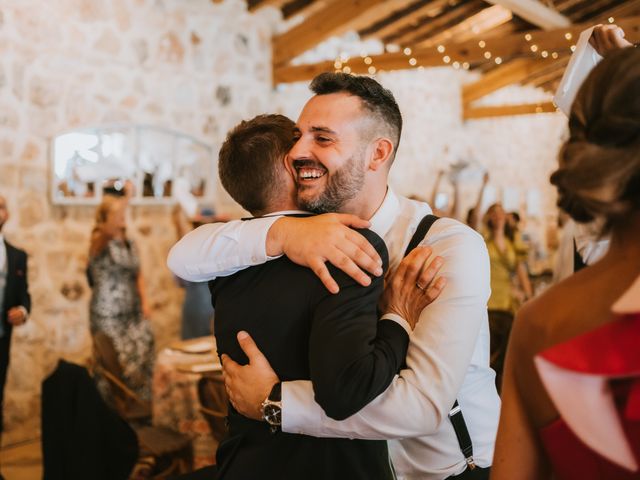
<point>214,404</point>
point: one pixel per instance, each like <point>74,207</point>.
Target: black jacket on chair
<point>82,438</point>
<point>307,333</point>
<point>16,293</point>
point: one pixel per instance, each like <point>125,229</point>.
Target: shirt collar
<point>287,212</point>
<point>386,214</point>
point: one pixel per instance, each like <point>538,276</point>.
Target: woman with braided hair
<point>571,391</point>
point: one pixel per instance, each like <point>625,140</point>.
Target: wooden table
<point>175,394</point>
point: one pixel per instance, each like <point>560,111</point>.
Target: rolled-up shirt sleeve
<point>439,354</point>
<point>220,249</point>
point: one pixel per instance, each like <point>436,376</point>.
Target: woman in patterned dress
<point>118,303</point>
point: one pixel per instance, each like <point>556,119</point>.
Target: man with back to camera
<point>347,136</point>
<point>294,318</point>
<point>15,301</point>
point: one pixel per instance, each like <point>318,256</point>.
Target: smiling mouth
<point>308,171</point>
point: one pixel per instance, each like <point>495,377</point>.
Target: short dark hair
<point>249,162</point>
<point>375,98</point>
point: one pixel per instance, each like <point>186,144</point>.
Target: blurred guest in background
<point>506,264</point>
<point>118,303</point>
<point>15,302</point>
<point>579,340</point>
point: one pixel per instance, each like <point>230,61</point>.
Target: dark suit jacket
<point>82,438</point>
<point>16,292</point>
<point>307,333</point>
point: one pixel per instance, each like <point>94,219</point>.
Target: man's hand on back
<point>412,286</point>
<point>312,241</point>
<point>248,385</point>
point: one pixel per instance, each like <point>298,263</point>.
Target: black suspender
<point>455,414</point>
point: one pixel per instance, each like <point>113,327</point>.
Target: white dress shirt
<point>448,354</point>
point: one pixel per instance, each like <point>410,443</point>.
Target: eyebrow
<point>323,130</point>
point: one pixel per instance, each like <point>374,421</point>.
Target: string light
<point>412,62</point>
<point>498,60</point>
<point>534,48</point>
<point>346,70</point>
<point>568,36</point>
<point>407,51</point>
<point>372,70</point>
<point>455,65</point>
<point>337,65</point>
<point>487,55</point>
<point>527,37</point>
<point>441,48</point>
<point>573,48</point>
<point>482,44</point>
<point>611,19</point>
<point>554,54</point>
<point>368,60</point>
<point>466,65</point>
<point>544,54</point>
<point>446,59</point>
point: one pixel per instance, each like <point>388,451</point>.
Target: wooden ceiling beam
<point>535,13</point>
<point>509,46</point>
<point>471,113</point>
<point>256,5</point>
<point>412,35</point>
<point>512,72</point>
<point>412,18</point>
<point>477,24</point>
<point>335,18</point>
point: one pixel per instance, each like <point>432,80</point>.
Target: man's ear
<point>381,155</point>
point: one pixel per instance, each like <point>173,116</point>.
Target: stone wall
<point>192,66</point>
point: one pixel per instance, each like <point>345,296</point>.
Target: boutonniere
<point>20,273</point>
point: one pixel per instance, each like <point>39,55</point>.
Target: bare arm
<point>475,215</point>
<point>523,278</point>
<point>518,451</point>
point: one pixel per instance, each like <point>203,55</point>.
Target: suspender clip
<point>470,463</point>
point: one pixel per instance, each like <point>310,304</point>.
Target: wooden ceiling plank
<point>334,19</point>
<point>430,26</point>
<point>428,10</point>
<point>266,3</point>
<point>377,13</point>
<point>477,24</point>
<point>470,113</point>
<point>512,72</point>
<point>536,13</point>
<point>510,46</point>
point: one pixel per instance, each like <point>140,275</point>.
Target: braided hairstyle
<point>599,165</point>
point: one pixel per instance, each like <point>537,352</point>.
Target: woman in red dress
<point>571,392</point>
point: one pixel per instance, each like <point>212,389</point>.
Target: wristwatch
<point>272,408</point>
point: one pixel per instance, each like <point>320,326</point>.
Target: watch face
<point>272,414</point>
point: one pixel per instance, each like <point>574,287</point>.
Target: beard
<point>341,187</point>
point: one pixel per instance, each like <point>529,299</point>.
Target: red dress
<point>594,383</point>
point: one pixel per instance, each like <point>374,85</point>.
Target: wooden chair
<point>171,451</point>
<point>214,404</point>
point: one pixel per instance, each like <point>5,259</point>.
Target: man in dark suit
<point>15,302</point>
<point>306,332</point>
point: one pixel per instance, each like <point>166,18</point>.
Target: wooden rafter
<point>470,113</point>
<point>378,13</point>
<point>430,27</point>
<point>477,24</point>
<point>512,72</point>
<point>335,18</point>
<point>550,72</point>
<point>509,46</point>
<point>409,17</point>
<point>535,12</point>
<point>256,5</point>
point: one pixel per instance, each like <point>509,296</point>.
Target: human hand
<point>16,316</point>
<point>607,38</point>
<point>412,287</point>
<point>312,241</point>
<point>248,385</point>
